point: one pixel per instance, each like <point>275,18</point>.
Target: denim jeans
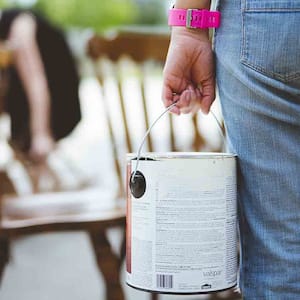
<point>258,74</point>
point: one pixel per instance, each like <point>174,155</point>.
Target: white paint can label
<point>181,234</point>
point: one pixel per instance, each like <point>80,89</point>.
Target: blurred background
<point>79,19</point>
<point>97,15</point>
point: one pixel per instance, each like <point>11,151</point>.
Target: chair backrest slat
<point>172,134</point>
<point>140,48</point>
<point>198,140</point>
<point>112,138</point>
<point>124,117</point>
<point>145,110</point>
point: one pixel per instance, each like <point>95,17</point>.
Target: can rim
<point>183,155</point>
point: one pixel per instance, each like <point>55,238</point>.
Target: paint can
<point>181,235</point>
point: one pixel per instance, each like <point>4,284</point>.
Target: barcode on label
<point>164,281</point>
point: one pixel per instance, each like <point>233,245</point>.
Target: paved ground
<point>54,266</point>
<point>58,266</point>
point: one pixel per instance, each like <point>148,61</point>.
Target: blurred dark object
<point>62,77</point>
<point>6,60</point>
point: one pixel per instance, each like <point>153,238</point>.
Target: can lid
<point>183,155</point>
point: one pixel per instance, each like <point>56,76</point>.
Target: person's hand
<point>189,72</point>
<point>41,146</point>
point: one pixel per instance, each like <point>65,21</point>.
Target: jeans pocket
<point>271,41</point>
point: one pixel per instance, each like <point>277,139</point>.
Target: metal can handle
<point>150,128</point>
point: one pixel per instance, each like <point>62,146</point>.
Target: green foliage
<point>97,14</point>
<point>3,4</point>
<point>151,12</point>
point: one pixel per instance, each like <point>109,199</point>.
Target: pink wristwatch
<point>194,18</point>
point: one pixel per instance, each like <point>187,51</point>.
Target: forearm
<point>200,4</point>
<point>31,72</point>
<point>189,69</point>
<point>29,65</point>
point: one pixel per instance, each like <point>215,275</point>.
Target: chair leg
<point>108,263</point>
<point>154,296</point>
<point>230,295</point>
<point>4,254</point>
<point>7,186</point>
<point>123,248</point>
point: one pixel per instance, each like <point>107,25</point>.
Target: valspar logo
<point>212,273</point>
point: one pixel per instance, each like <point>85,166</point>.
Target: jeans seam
<point>270,6</point>
<point>283,78</point>
<point>271,10</point>
<point>243,37</point>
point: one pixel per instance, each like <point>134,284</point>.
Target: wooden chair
<point>140,48</point>
<point>117,60</point>
<point>66,211</point>
<point>87,210</point>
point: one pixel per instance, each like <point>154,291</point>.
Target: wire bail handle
<point>132,179</point>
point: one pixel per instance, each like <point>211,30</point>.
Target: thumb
<point>208,95</point>
<point>169,98</point>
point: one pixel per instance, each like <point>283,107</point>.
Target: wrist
<point>194,18</point>
<point>186,4</point>
<point>199,34</point>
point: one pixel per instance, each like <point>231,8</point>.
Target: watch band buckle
<point>189,18</point>
<point>204,19</point>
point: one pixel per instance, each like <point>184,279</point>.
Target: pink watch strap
<point>194,18</point>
